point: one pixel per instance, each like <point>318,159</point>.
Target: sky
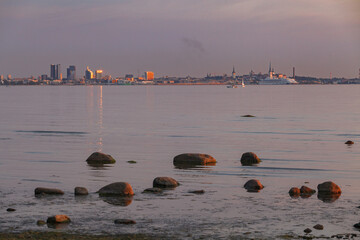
<point>181,37</point>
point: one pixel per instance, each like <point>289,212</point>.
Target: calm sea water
<point>46,134</point>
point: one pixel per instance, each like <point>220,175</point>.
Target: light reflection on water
<point>48,132</point>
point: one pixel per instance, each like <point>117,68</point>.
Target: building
<point>44,77</point>
<point>234,73</point>
<point>55,72</point>
<point>71,73</point>
<point>149,76</point>
<point>1,77</point>
<point>89,74</point>
<point>9,77</point>
<point>98,74</point>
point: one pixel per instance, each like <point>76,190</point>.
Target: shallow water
<point>46,134</point>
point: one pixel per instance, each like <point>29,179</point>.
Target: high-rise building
<point>9,77</point>
<point>71,73</point>
<point>1,77</point>
<point>149,76</point>
<point>55,72</point>
<point>98,74</point>
<point>233,73</point>
<point>88,74</point>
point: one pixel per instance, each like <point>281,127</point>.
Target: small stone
<point>294,192</point>
<point>357,225</point>
<point>306,190</point>
<point>197,192</point>
<point>100,158</point>
<point>58,219</point>
<point>153,190</point>
<point>349,142</point>
<point>124,221</point>
<point>48,191</point>
<point>116,189</point>
<point>247,115</point>
<point>11,209</point>
<point>131,162</point>
<point>249,158</point>
<point>80,191</point>
<point>253,185</point>
<point>165,182</point>
<point>307,230</point>
<point>318,227</point>
<point>40,222</point>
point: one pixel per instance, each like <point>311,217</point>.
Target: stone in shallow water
<point>349,142</point>
<point>306,190</point>
<point>48,191</point>
<point>58,219</point>
<point>328,188</point>
<point>40,222</point>
<point>253,185</point>
<point>194,159</point>
<point>100,158</point>
<point>78,191</point>
<point>294,192</point>
<point>11,209</point>
<point>318,227</point>
<point>124,221</point>
<point>153,190</point>
<point>249,158</point>
<point>165,182</point>
<point>197,191</point>
<point>116,189</point>
<point>307,230</point>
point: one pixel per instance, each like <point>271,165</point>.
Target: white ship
<point>278,79</point>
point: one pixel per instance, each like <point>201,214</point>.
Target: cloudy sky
<point>180,37</point>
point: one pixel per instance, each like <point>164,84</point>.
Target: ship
<point>276,79</point>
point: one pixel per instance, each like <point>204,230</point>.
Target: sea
<point>299,133</point>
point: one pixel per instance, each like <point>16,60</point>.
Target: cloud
<point>193,44</point>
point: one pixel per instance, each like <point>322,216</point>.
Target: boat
<point>278,79</point>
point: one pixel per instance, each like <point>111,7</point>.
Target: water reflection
<point>117,201</point>
<point>95,115</point>
<point>194,166</point>
<point>328,198</point>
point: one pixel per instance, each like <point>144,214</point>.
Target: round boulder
<point>80,191</point>
<point>165,182</point>
<point>294,192</point>
<point>58,219</point>
<point>48,191</point>
<point>328,188</point>
<point>306,190</point>
<point>249,158</point>
<point>253,185</point>
<point>193,159</point>
<point>100,158</point>
<point>117,189</point>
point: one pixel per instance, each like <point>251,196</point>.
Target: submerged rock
<point>117,189</point>
<point>349,142</point>
<point>131,162</point>
<point>11,209</point>
<point>153,190</point>
<point>193,159</point>
<point>249,158</point>
<point>100,158</point>
<point>40,222</point>
<point>124,221</point>
<point>48,191</point>
<point>253,185</point>
<point>294,192</point>
<point>79,191</point>
<point>328,188</point>
<point>165,182</point>
<point>318,227</point>
<point>307,230</point>
<point>58,219</point>
<point>247,115</point>
<point>197,191</point>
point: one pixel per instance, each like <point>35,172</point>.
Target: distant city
<point>98,77</point>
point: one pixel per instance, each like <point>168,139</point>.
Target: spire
<point>270,67</point>
<point>233,69</point>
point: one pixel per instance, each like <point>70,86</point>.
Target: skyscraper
<point>98,74</point>
<point>88,73</point>
<point>71,72</point>
<point>233,73</point>
<point>55,71</point>
<point>149,76</point>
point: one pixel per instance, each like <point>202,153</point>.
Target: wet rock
<point>349,142</point>
<point>357,225</point>
<point>249,158</point>
<point>100,158</point>
<point>48,191</point>
<point>194,159</point>
<point>40,222</point>
<point>318,227</point>
<point>253,185</point>
<point>11,209</point>
<point>304,190</point>
<point>165,182</point>
<point>58,219</point>
<point>131,162</point>
<point>153,190</point>
<point>247,115</point>
<point>197,191</point>
<point>80,191</point>
<point>294,192</point>
<point>124,221</point>
<point>117,189</point>
<point>328,188</point>
<point>307,230</point>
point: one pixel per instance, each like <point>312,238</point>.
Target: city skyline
<point>181,38</point>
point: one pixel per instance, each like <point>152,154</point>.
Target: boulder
<point>349,142</point>
<point>79,191</point>
<point>307,230</point>
<point>328,188</point>
<point>193,159</point>
<point>100,158</point>
<point>294,192</point>
<point>117,189</point>
<point>357,225</point>
<point>153,190</point>
<point>304,190</point>
<point>165,182</point>
<point>249,158</point>
<point>124,221</point>
<point>318,227</point>
<point>253,185</point>
<point>48,191</point>
<point>58,219</point>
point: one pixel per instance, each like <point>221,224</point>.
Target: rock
<point>294,192</point>
<point>253,185</point>
<point>40,222</point>
<point>80,191</point>
<point>197,191</point>
<point>124,221</point>
<point>117,189</point>
<point>306,190</point>
<point>153,190</point>
<point>328,188</point>
<point>249,158</point>
<point>58,219</point>
<point>11,209</point>
<point>247,115</point>
<point>48,191</point>
<point>349,142</point>
<point>165,182</point>
<point>357,225</point>
<point>318,227</point>
<point>193,159</point>
<point>100,158</point>
<point>307,230</point>
<point>131,162</point>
